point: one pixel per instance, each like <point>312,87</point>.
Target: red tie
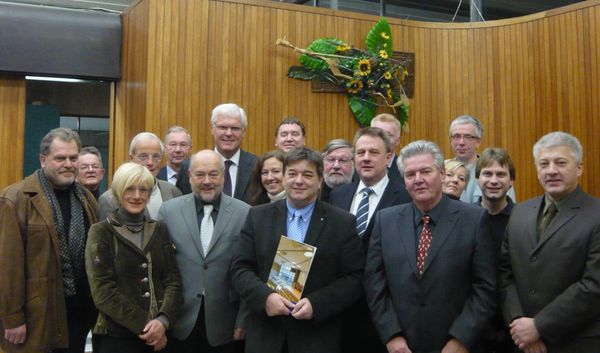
<point>424,242</point>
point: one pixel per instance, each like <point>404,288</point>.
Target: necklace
<point>134,229</point>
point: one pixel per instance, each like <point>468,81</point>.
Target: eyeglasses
<point>466,137</point>
<point>145,157</point>
<point>234,129</point>
<point>182,145</point>
<point>341,161</point>
<point>84,167</point>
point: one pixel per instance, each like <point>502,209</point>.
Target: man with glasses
<point>145,149</point>
<point>178,143</point>
<point>338,166</point>
<point>364,197</point>
<point>91,171</point>
<point>465,136</point>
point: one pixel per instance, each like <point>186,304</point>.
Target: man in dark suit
<point>550,260</point>
<point>312,325</point>
<point>391,125</point>
<point>430,277</point>
<point>229,123</point>
<point>178,145</point>
<point>210,320</point>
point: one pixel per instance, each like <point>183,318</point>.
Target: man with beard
<point>338,166</point>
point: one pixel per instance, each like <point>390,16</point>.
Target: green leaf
<point>302,73</point>
<point>402,114</point>
<point>363,109</point>
<point>322,46</point>
<point>376,38</point>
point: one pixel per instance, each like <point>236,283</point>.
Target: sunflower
<point>387,75</point>
<point>383,54</point>
<point>389,93</point>
<point>385,35</point>
<point>364,67</point>
<point>343,47</point>
<point>355,86</point>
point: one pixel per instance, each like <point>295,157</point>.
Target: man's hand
<point>160,344</point>
<point>523,332</point>
<point>278,305</point>
<point>303,310</point>
<point>16,335</point>
<point>536,347</point>
<point>454,346</point>
<point>153,334</point>
<point>397,345</point>
<point>239,334</point>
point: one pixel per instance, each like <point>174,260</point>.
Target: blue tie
<point>362,213</point>
<point>295,229</point>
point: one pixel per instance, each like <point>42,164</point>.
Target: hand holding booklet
<point>291,268</point>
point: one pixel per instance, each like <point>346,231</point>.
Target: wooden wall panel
<point>12,127</point>
<point>522,77</point>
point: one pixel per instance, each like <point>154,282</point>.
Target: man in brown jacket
<point>45,303</point>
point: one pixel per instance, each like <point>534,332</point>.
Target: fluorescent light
<point>53,79</point>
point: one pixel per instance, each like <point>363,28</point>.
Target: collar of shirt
<point>171,173</point>
<point>377,188</point>
<point>559,204</point>
<point>434,213</point>
<point>235,158</point>
<point>305,212</point>
<point>200,204</point>
<point>391,161</point>
<point>506,210</point>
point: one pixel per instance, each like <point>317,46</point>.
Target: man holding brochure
<point>311,325</point>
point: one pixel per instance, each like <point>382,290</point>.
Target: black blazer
<point>245,167</point>
<point>333,284</point>
<point>456,295</point>
<point>394,172</point>
<point>394,194</point>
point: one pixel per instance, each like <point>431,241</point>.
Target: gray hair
<point>145,136</point>
<point>62,133</point>
<point>176,128</point>
<point>421,147</point>
<point>467,119</point>
<point>558,139</point>
<point>336,144</point>
<point>92,150</point>
<point>229,109</point>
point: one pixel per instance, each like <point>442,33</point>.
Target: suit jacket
<point>455,297</point>
<point>245,167</point>
<point>31,284</point>
<point>107,203</point>
<point>394,194</point>
<point>555,280</point>
<point>162,174</point>
<point>394,172</point>
<point>333,284</point>
<point>202,273</point>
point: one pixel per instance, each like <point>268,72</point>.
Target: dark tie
<point>227,183</point>
<point>362,212</point>
<point>550,213</point>
<point>424,242</point>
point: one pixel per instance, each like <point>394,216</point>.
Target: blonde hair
<point>130,174</point>
<point>453,164</point>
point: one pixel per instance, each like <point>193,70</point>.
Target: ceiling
<point>424,10</point>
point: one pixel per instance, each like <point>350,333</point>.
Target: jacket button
<point>205,266</point>
<point>146,295</point>
<point>199,295</point>
<point>532,292</point>
<point>534,259</point>
<point>144,265</point>
<point>145,280</point>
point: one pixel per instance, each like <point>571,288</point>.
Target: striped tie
<point>362,213</point>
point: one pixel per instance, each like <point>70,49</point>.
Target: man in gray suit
<point>204,226</point>
<point>145,149</point>
<point>430,277</point>
<point>550,257</point>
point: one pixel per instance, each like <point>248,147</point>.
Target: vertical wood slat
<point>12,128</point>
<point>521,77</point>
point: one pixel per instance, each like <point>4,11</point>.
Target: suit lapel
<point>448,218</point>
<point>407,235</point>
<point>223,219</point>
<point>565,215</point>
<point>317,220</point>
<point>190,218</point>
<point>243,175</point>
<point>346,198</point>
<point>40,203</point>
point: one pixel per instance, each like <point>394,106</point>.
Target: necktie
<point>295,229</point>
<point>424,242</point>
<point>227,183</point>
<point>206,228</point>
<point>362,212</point>
<point>550,213</point>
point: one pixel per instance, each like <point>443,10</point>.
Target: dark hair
<point>62,133</point>
<point>304,154</point>
<point>291,120</point>
<point>495,154</point>
<point>373,132</point>
<point>93,151</point>
<point>256,190</point>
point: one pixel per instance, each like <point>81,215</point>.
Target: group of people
<point>414,252</point>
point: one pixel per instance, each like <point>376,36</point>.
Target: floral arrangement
<point>370,77</point>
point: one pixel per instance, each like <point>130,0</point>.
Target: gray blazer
<point>206,273</point>
<point>555,280</point>
<point>107,202</point>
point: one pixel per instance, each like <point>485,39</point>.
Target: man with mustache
<point>45,302</point>
<point>178,144</point>
<point>338,166</point>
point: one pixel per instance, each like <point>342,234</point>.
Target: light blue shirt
<point>305,214</point>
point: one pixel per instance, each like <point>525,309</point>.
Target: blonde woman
<point>456,180</point>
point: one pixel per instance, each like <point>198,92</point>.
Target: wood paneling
<point>522,77</point>
<point>12,125</point>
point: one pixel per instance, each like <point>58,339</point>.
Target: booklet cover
<point>290,268</point>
